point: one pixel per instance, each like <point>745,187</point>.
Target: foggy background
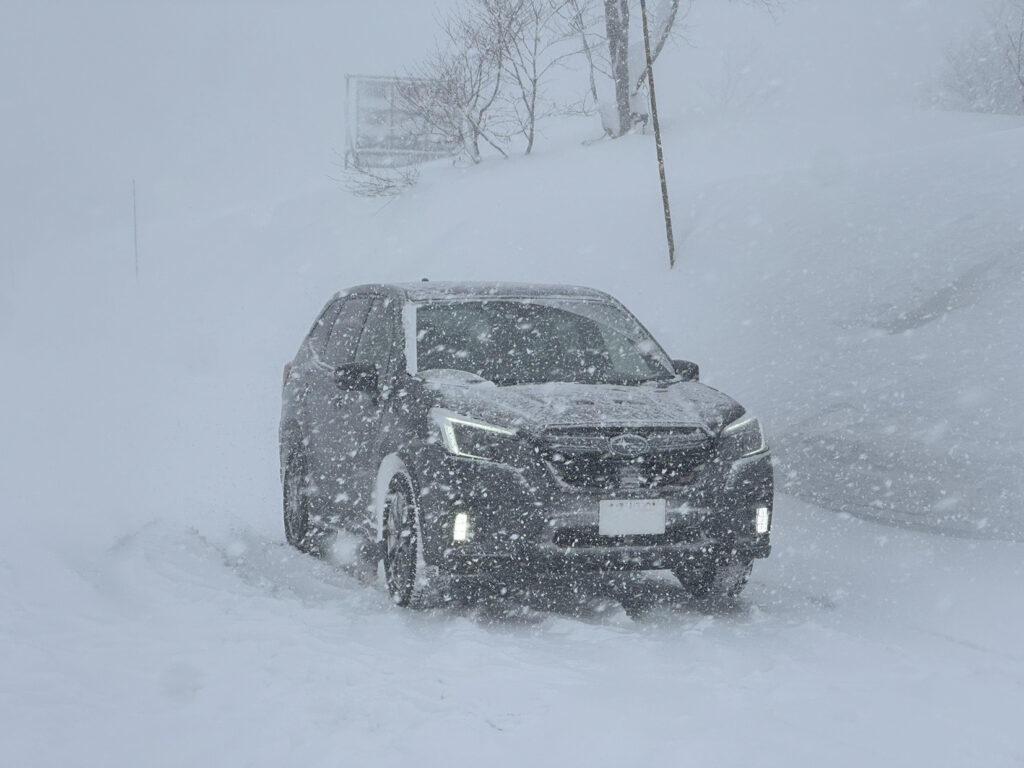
<point>150,611</point>
<point>195,100</point>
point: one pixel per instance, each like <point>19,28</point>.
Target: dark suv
<point>471,432</point>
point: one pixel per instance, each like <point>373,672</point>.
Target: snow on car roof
<point>427,291</point>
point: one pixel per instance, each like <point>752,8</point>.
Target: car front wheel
<point>402,568</point>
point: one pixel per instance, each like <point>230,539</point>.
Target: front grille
<point>582,457</point>
<point>596,439</point>
<point>589,536</point>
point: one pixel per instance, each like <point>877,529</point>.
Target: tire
<point>716,581</point>
<point>297,507</point>
<point>405,572</point>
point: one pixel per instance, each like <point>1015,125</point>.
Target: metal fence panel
<point>380,131</point>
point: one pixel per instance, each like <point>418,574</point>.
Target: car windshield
<point>537,341</point>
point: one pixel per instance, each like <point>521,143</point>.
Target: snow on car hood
<point>536,407</point>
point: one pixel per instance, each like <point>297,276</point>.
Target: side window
<point>344,339</point>
<point>322,327</point>
<point>379,342</point>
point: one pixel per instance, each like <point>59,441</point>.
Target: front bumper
<point>524,522</point>
<point>548,558</point>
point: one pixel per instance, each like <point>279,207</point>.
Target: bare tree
<point>627,58</point>
<point>1013,43</point>
<point>581,19</point>
<point>616,20</point>
<point>456,90</point>
<point>538,42</point>
<point>486,84</point>
<point>627,65</point>
<point>664,29</point>
<point>985,72</point>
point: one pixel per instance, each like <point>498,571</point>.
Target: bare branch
<point>377,182</point>
<point>1015,51</point>
<point>663,32</point>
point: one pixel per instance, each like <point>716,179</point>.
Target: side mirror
<point>357,377</point>
<point>686,370</point>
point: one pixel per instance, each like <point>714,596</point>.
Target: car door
<point>297,415</point>
<point>333,436</point>
<point>363,414</point>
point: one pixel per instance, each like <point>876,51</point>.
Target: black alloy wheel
<point>400,541</point>
<point>296,503</point>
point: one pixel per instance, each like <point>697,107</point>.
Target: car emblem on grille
<point>628,445</point>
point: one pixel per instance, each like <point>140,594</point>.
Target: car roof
<point>459,291</point>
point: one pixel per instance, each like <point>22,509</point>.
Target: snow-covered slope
<point>851,274</point>
<point>859,287</point>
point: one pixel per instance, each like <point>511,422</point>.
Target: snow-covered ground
<point>855,644</point>
<point>850,270</point>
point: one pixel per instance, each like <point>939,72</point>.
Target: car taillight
<point>287,370</point>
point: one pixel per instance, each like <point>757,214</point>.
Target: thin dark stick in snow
<point>135,230</point>
<point>657,137</point>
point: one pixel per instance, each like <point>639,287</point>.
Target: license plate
<point>631,517</point>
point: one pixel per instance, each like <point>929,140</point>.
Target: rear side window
<point>344,338</point>
<point>378,343</point>
<point>322,327</point>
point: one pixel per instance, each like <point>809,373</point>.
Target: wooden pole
<point>657,138</point>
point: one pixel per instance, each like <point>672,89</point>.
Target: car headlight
<point>742,438</point>
<point>474,439</point>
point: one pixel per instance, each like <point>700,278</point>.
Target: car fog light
<point>460,531</point>
<point>761,519</point>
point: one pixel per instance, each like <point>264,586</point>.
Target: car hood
<point>536,407</point>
